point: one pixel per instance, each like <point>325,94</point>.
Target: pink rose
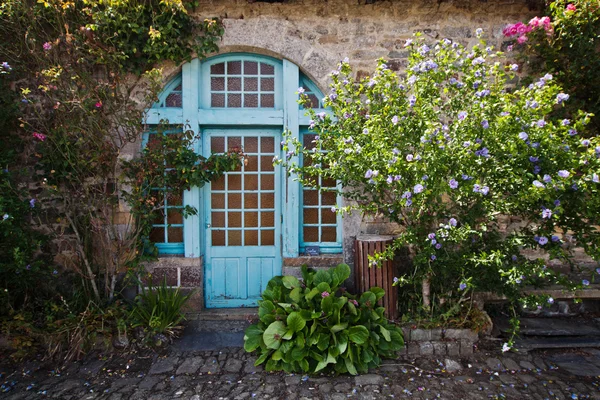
<point>571,7</point>
<point>535,22</point>
<point>522,39</point>
<point>99,104</point>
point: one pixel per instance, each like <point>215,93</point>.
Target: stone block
<point>368,379</point>
<point>413,349</point>
<point>435,334</point>
<point>453,349</point>
<point>420,335</point>
<point>439,348</point>
<point>426,348</point>
<point>461,334</point>
<point>466,348</point>
<point>406,333</point>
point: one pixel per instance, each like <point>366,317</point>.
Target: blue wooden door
<point>242,219</point>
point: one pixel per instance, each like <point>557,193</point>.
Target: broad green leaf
<point>322,276</point>
<point>385,333</point>
<point>296,295</point>
<point>274,334</point>
<point>252,338</point>
<point>327,305</point>
<point>263,357</point>
<point>351,307</point>
<point>357,334</point>
<point>295,322</point>
<point>343,271</point>
<point>378,292</point>
<point>322,364</point>
<point>288,335</point>
<point>323,342</point>
<point>304,365</point>
<point>368,298</point>
<point>311,294</point>
<point>342,342</point>
<point>285,306</point>
<point>324,287</point>
<point>276,355</point>
<point>290,282</point>
<point>339,327</point>
<point>266,308</point>
<point>350,367</point>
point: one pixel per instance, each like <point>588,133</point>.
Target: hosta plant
<point>314,325</point>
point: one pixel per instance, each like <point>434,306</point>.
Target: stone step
<point>554,327</point>
<point>223,314</point>
<point>525,345</point>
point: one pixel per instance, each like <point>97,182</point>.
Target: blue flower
<point>406,195</point>
<point>431,236</point>
<point>365,131</point>
<point>452,221</point>
<point>453,183</point>
<point>585,142</point>
<point>438,246</point>
<point>555,238</point>
<point>462,286</point>
<point>546,213</point>
<point>395,119</point>
<point>514,67</point>
<point>466,177</point>
<point>369,174</point>
<point>418,188</point>
<point>28,267</point>
<point>547,178</point>
<point>433,257</point>
<point>408,42</point>
<point>542,240</point>
<point>424,50</point>
<point>572,132</point>
<point>321,115</point>
<point>485,190</point>
<point>32,203</point>
<point>477,61</point>
<point>466,144</point>
<point>412,100</point>
<point>537,169</point>
<point>550,300</point>
<point>534,159</point>
<point>563,173</point>
<point>55,272</point>
<point>538,184</point>
<point>485,124</point>
<point>332,96</point>
<point>585,282</point>
<point>561,97</point>
<point>462,115</point>
<point>300,90</point>
<point>389,179</point>
<point>541,123</point>
<point>478,32</point>
<point>565,122</point>
<point>409,157</point>
<point>556,203</point>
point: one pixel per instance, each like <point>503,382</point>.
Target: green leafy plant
<point>315,325</point>
<point>158,308</point>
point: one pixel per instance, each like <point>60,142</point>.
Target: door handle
<point>207,226</point>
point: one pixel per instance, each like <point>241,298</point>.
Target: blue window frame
<point>171,96</point>
<point>310,89</point>
<point>167,228</point>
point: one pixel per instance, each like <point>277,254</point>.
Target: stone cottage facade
<point>257,223</point>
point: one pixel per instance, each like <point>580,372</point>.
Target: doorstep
<point>223,314</point>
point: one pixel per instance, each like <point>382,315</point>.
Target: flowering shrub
<point>448,150</point>
<point>314,325</point>
<point>566,47</point>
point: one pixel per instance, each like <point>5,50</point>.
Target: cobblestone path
<point>231,374</point>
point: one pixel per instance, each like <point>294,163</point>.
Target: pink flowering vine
<point>521,30</point>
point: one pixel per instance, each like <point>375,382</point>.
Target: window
<point>167,227</point>
<point>320,225</point>
<point>314,94</point>
<point>242,84</point>
<point>172,95</point>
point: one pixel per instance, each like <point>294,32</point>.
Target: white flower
<point>5,217</point>
<point>505,347</point>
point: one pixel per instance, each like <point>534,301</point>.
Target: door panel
<point>243,219</point>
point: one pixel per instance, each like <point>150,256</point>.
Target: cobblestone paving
<point>231,374</point>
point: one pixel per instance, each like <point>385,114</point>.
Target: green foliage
<point>313,325</point>
<point>449,151</point>
<point>159,308</point>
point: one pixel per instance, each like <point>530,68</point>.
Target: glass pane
<point>311,215</point>
<point>267,69</point>
<point>159,217</point>
<point>266,163</point>
<point>251,84</point>
<point>218,238</point>
<point>251,220</point>
<point>217,200</point>
<point>250,182</point>
<point>267,219</point>
<point>328,198</point>
<point>219,184</point>
<point>250,200</point>
<point>311,197</point>
<point>217,84</point>
<point>234,100</point>
<point>234,182</point>
<point>328,234</point>
<point>175,216</point>
<point>250,68</point>
<point>267,238</point>
<point>173,100</point>
<point>252,163</point>
<point>234,200</point>
<point>267,145</point>
<point>218,219</point>
<point>217,144</point>
<point>251,100</point>
<point>234,84</point>
<point>267,84</point>
<point>157,235</point>
<point>267,200</point>
<point>328,216</point>
<point>217,68</point>
<point>311,234</point>
<point>267,100</point>
<point>217,100</point>
<point>308,141</point>
<point>251,145</point>
<point>234,220</point>
<point>314,101</point>
<point>251,238</point>
<point>175,235</point>
<point>234,68</point>
<point>328,182</point>
<point>177,88</point>
<point>267,182</point>
<point>175,199</point>
<point>234,142</point>
<point>234,238</point>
